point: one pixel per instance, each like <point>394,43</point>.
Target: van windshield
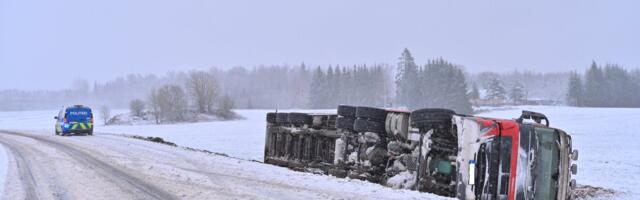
<point>78,114</point>
<point>545,170</point>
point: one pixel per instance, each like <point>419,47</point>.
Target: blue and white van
<point>74,119</point>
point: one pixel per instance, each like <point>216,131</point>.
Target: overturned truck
<point>429,150</point>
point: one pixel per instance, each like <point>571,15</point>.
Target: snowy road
<point>43,166</point>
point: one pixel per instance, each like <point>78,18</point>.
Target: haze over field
<point>47,44</point>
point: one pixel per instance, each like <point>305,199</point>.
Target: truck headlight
<point>66,125</point>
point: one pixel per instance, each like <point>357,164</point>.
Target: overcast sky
<point>46,44</point>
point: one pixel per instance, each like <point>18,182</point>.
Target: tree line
<point>435,83</point>
<point>604,86</point>
<point>357,85</point>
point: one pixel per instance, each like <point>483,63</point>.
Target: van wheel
<point>90,133</point>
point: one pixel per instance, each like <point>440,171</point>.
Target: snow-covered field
<point>606,137</point>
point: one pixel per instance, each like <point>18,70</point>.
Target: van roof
<point>77,107</point>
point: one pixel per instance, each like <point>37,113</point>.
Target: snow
<point>238,138</point>
<point>4,164</point>
<point>607,138</point>
<point>183,173</point>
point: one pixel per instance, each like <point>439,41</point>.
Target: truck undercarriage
<point>429,150</point>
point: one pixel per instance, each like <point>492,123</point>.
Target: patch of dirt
<point>590,192</point>
<point>154,139</point>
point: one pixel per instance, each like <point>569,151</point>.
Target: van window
<point>61,115</point>
<point>78,114</point>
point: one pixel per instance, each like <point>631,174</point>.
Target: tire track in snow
<point>120,178</point>
<point>24,170</point>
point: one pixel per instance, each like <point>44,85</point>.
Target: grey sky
<point>46,44</point>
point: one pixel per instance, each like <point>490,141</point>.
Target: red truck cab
<point>511,159</point>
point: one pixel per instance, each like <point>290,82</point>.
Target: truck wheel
<point>271,117</point>
<point>90,132</point>
<point>363,125</point>
<point>347,111</point>
<point>345,123</point>
<point>299,118</point>
<point>282,118</point>
<point>375,114</point>
<point>400,125</point>
<point>429,116</point>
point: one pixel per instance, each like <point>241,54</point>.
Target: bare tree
<point>203,89</point>
<point>136,107</point>
<point>105,114</point>
<point>169,104</point>
<point>225,108</point>
<point>154,101</point>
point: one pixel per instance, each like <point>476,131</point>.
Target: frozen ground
<point>606,137</point>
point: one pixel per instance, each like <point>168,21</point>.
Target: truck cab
<point>512,159</point>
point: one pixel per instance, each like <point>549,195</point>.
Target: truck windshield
<point>545,169</point>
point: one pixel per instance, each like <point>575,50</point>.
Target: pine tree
<point>330,89</point>
<point>517,93</point>
<point>595,87</point>
<point>406,80</point>
<point>496,91</point>
<point>475,93</point>
<point>443,85</point>
<point>576,90</point>
<point>317,90</point>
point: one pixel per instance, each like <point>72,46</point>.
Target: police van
<point>76,119</point>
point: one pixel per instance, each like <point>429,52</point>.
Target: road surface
<point>44,166</point>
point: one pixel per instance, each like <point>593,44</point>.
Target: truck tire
<point>299,119</point>
<point>282,118</point>
<point>345,123</point>
<point>373,114</point>
<point>363,125</point>
<point>90,133</point>
<point>271,117</point>
<point>429,116</point>
<point>347,111</point>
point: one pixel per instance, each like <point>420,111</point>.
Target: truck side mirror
<point>574,154</point>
